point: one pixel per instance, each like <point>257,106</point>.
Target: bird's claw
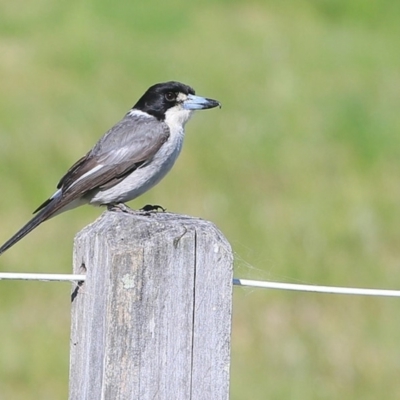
<point>147,209</point>
<point>120,207</point>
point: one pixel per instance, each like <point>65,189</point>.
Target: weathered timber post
<point>153,318</point>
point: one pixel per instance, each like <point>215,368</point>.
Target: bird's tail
<point>51,208</point>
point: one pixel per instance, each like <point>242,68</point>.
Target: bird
<point>129,159</point>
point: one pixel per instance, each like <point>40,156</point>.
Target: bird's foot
<point>152,208</point>
<point>146,210</point>
<point>120,207</point>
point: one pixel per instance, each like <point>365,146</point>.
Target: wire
<point>41,277</point>
<point>236,281</point>
<point>317,289</point>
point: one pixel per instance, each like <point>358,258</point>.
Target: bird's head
<point>173,102</point>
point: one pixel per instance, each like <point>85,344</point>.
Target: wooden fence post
<point>153,318</point>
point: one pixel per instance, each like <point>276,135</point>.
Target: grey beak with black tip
<point>199,103</point>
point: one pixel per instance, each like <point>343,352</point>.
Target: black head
<point>160,97</point>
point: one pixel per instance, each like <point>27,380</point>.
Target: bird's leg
<point>146,210</point>
<point>121,207</point>
<point>152,207</point>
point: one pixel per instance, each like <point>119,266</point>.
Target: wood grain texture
<point>153,318</point>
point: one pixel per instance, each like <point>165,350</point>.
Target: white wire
<point>238,282</point>
<point>42,277</point>
<point>317,289</point>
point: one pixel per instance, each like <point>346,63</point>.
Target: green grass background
<point>300,170</point>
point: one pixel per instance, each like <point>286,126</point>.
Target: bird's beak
<point>193,102</point>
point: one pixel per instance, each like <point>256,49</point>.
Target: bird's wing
<point>124,148</point>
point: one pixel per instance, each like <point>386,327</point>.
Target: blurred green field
<point>300,170</point>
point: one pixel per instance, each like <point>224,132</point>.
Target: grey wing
<point>125,147</point>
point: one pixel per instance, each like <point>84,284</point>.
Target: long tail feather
<point>42,216</point>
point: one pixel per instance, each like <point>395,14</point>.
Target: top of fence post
<point>153,318</point>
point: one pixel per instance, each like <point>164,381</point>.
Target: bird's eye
<point>170,96</point>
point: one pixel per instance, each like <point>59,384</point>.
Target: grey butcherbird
<point>132,157</point>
